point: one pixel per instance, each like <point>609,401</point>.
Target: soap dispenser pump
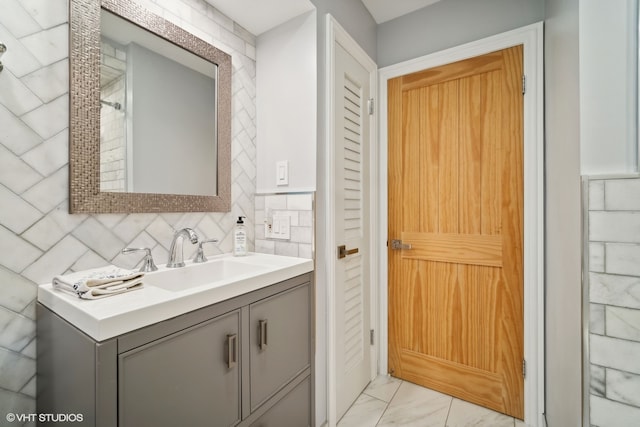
<point>239,238</point>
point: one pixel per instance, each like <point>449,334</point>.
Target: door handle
<point>343,252</point>
<point>232,350</point>
<point>397,245</point>
<point>262,334</point>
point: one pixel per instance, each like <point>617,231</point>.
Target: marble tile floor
<point>388,401</point>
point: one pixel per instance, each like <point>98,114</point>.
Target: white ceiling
<point>258,16</point>
<point>386,10</point>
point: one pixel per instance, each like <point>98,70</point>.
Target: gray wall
<point>563,213</point>
<point>450,23</point>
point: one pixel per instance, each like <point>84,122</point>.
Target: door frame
<point>336,34</point>
<point>531,37</point>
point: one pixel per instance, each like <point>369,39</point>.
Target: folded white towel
<point>99,282</point>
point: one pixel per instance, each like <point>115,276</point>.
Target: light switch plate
<point>280,228</point>
<point>282,173</point>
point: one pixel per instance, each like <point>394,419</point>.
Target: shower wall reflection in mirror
<point>150,142</point>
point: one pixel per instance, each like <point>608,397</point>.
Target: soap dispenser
<point>239,238</point>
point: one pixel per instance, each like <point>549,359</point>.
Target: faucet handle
<point>147,261</point>
<point>200,253</point>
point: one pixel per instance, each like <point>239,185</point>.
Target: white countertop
<point>108,317</point>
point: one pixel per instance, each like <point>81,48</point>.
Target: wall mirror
<point>150,114</point>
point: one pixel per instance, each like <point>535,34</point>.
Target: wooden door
<point>456,197</point>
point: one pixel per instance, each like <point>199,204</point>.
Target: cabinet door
<point>294,410</point>
<point>279,337</point>
<point>190,378</point>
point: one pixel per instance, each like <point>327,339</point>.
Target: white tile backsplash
<point>622,195</point>
<point>17,330</point>
<point>623,387</point>
<point>22,253</point>
<point>299,202</point>
<point>17,20</point>
<point>15,370</point>
<point>15,174</point>
<point>16,292</point>
<point>596,195</point>
<point>597,376</point>
<point>56,260</point>
<point>107,245</point>
<point>623,227</point>
<point>596,257</point>
<point>266,246</point>
<point>622,258</point>
<point>16,403</point>
<point>622,291</point>
<point>49,46</point>
<point>15,134</point>
<point>615,353</point>
<point>623,323</point>
<point>30,388</point>
<point>286,249</point>
<point>50,192</point>
<point>50,82</point>
<point>299,208</point>
<point>20,216</point>
<point>302,234</point>
<point>22,62</point>
<point>275,202</point>
<point>51,155</point>
<point>30,349</point>
<point>49,119</point>
<point>596,319</point>
<point>608,413</point>
<point>47,13</point>
<point>14,94</point>
<point>613,225</point>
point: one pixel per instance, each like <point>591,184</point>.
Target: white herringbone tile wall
<point>38,237</point>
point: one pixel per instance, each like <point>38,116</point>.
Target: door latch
<point>397,245</point>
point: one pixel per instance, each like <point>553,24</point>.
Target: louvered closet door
<point>352,229</point>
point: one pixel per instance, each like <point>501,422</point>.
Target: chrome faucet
<point>176,256</point>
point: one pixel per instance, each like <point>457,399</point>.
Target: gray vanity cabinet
<point>188,378</point>
<point>246,361</point>
<point>280,340</point>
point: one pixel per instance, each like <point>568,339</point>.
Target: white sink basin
<point>170,292</point>
<point>195,275</point>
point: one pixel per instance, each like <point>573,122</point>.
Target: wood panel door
<point>456,197</point>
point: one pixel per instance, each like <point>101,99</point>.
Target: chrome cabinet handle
<point>262,334</point>
<point>343,252</point>
<point>232,350</point>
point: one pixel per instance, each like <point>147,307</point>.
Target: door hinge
<point>370,106</point>
<point>371,337</point>
<point>524,368</point>
<point>524,84</point>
